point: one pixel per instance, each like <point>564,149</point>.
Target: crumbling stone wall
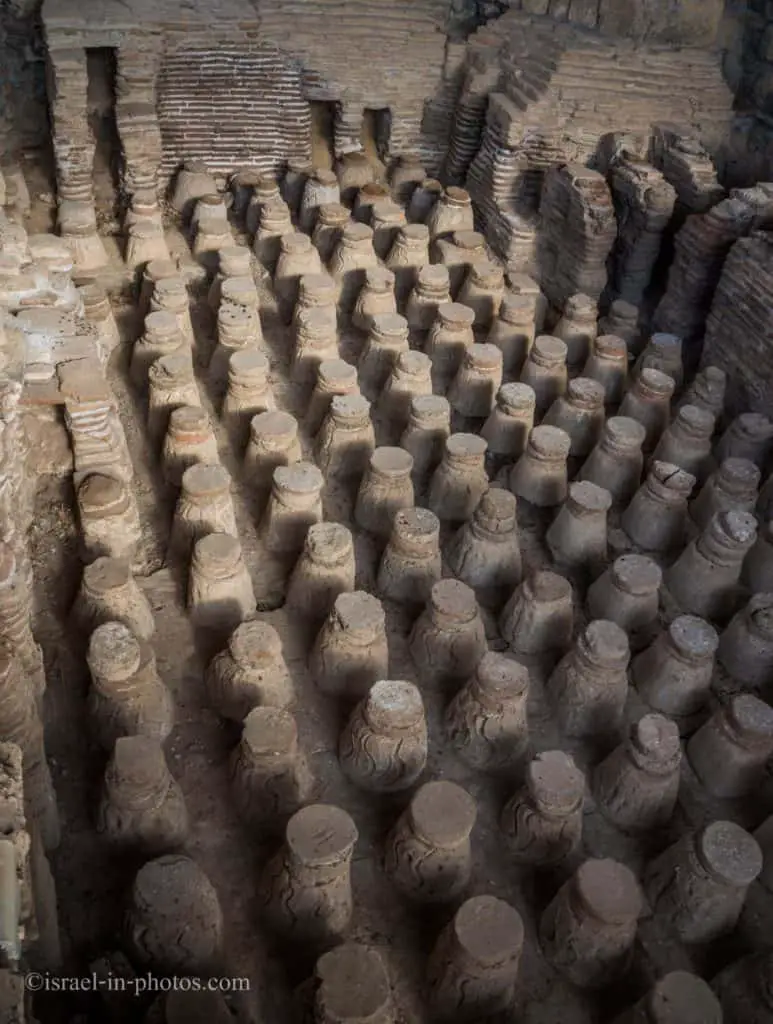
<point>559,92</point>
<point>677,22</point>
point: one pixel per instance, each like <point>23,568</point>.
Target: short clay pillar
<point>383,746</point>
<point>589,686</point>
<point>249,672</point>
<point>676,998</point>
<point>428,854</point>
<point>306,888</point>
<point>673,674</point>
<point>473,970</point>
<point>350,652</point>
<point>542,822</point>
<point>616,462</point>
<point>636,786</point>
<point>540,474</point>
<point>109,593</point>
<point>325,569</point>
<point>141,809</point>
<point>220,593</point>
<point>485,552</point>
<point>729,752</point>
<point>448,639</point>
<point>411,563</point>
<point>459,482</point>
<point>539,617</point>
<point>588,930</point>
<point>351,984</point>
<point>174,923</point>
<point>269,777</point>
<point>698,886</point>
<point>486,722</point>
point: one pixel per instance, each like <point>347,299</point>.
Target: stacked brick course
<point>261,118</point>
<point>740,324</point>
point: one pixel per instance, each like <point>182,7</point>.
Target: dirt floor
<point>91,884</point>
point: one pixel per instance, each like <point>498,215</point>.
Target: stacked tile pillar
<point>74,144</point>
<point>347,127</point>
<point>135,112</point>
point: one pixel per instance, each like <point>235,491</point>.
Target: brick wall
<point>376,53</point>
<point>231,107</point>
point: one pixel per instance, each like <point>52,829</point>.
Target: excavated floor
<point>91,884</point>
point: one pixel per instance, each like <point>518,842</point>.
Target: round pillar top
<point>549,442</point>
<point>350,407</point>
<point>625,432</point>
<point>394,463</point>
<point>752,717</point>
<point>106,574</point>
<point>739,527</point>
<point>589,496</point>
<point>321,835</point>
<point>696,419</point>
<point>636,574</point>
<point>442,814</point>
<point>729,853</point>
<point>466,446</point>
<point>206,480</point>
<point>352,983</point>
<point>517,396</point>
<point>489,931</point>
<point>248,362</point>
<point>549,587</point>
<point>673,477</point>
<point>555,783</point>
<point>170,886</point>
<point>456,313</point>
<point>416,524</point>
<point>393,704</point>
<point>694,637</point>
<point>549,350</point>
<point>337,372</point>
<point>300,478</point>
<point>684,997</point>
<point>430,407</point>
<point>434,276</point>
<point>217,552</point>
<point>586,391</point>
<point>496,510</point>
<point>502,677</point>
<point>269,732</point>
<point>359,612</point>
<point>453,600</point>
<point>274,428</point>
<point>610,346</point>
<point>608,891</point>
<point>188,419</point>
<point>326,542</point>
<point>114,651</point>
<point>254,641</point>
<point>606,643</point>
<point>655,381</point>
<point>655,739</point>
